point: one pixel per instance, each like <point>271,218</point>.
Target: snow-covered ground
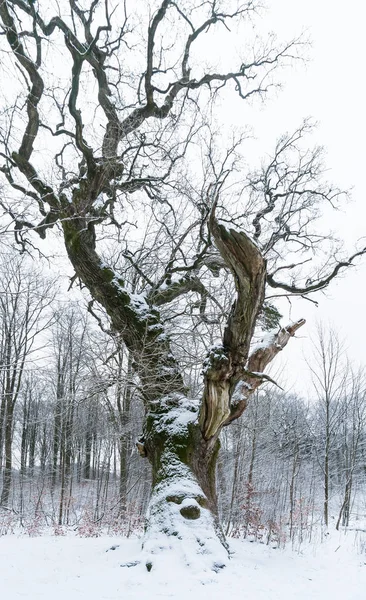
<point>72,568</point>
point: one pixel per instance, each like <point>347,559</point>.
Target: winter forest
<point>157,262</point>
<point>71,415</point>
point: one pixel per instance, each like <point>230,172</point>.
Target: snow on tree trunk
<point>181,435</point>
<point>182,514</point>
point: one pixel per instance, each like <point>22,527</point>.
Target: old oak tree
<point>108,137</point>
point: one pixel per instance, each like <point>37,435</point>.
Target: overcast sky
<point>331,88</point>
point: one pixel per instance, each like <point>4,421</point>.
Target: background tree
<point>122,123</point>
<point>330,373</point>
<point>23,318</point>
<point>352,430</point>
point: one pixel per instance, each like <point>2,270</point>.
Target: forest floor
<point>74,568</point>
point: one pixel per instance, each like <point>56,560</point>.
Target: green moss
<point>180,446</point>
<point>175,499</point>
<point>108,274</point>
<point>72,239</point>
<point>190,512</point>
<point>202,501</point>
<point>269,316</point>
<point>225,235</point>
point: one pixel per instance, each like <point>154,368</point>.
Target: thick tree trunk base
<point>180,523</point>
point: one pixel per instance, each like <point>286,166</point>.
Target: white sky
<point>331,88</point>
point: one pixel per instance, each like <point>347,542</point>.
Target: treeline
<point>71,411</point>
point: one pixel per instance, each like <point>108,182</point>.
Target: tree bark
<point>7,477</point>
<point>181,435</point>
<point>183,504</point>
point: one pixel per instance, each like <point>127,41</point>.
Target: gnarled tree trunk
<point>181,434</point>
<point>183,507</point>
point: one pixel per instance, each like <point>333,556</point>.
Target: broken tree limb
<point>259,359</point>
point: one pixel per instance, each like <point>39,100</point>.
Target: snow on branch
<point>253,375</point>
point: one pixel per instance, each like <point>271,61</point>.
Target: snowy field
<point>72,568</point>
